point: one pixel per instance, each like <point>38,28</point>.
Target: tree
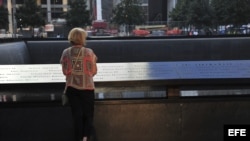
<point>234,12</point>
<point>78,15</point>
<point>29,14</point>
<point>4,22</point>
<point>128,12</point>
<point>179,12</point>
<point>212,12</point>
<point>193,12</point>
<point>200,13</point>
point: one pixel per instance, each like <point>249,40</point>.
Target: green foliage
<point>78,15</point>
<point>29,14</point>
<point>202,13</point>
<point>180,11</point>
<point>4,22</point>
<point>129,12</point>
<point>193,12</point>
<point>235,12</point>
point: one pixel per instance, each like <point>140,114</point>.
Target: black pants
<point>82,107</point>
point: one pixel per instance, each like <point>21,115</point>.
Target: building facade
<point>52,9</point>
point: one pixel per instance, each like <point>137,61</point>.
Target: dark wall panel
<point>145,50</point>
<point>136,50</point>
<point>35,124</point>
<point>147,120</point>
<point>14,53</point>
<point>46,52</point>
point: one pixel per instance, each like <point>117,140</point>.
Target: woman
<point>79,67</point>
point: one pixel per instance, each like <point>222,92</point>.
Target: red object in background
<point>140,32</point>
<point>1,2</point>
<point>174,31</point>
<point>100,25</point>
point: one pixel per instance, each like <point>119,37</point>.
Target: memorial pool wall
<point>167,118</point>
<point>130,50</point>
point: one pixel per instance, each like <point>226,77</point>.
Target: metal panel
<point>108,72</point>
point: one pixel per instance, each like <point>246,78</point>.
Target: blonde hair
<point>77,36</point>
